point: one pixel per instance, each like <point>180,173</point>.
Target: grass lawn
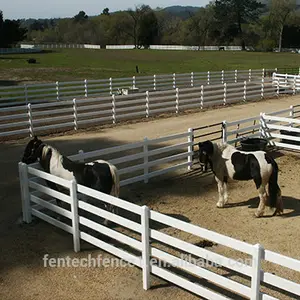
<point>79,64</point>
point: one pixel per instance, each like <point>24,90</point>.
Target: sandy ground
<point>188,196</point>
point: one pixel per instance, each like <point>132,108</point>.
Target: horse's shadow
<point>289,203</point>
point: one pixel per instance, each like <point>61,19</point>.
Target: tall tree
<point>80,17</point>
<point>231,14</point>
<point>280,12</point>
<point>148,29</point>
<point>105,11</point>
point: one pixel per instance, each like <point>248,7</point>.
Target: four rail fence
<point>142,243</point>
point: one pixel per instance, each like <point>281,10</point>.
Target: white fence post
<point>256,271</point>
<point>57,91</point>
<point>222,76</point>
<point>146,160</point>
<point>262,87</point>
<point>235,76</point>
<point>192,79</point>
<point>25,195</point>
<point>75,216</point>
<point>225,93</point>
<point>224,131</point>
<point>250,74</point>
<point>277,88</point>
<point>147,104</point>
<point>291,115</point>
<point>294,85</point>
<point>133,82</point>
<point>29,113</point>
<point>208,77</point>
<point>202,96</point>
<point>85,88</point>
<point>75,114</point>
<point>190,148</point>
<point>154,82</point>
<point>26,93</point>
<point>145,215</point>
<point>174,81</point>
<point>113,102</point>
<point>177,100</point>
<point>110,86</point>
<point>245,91</point>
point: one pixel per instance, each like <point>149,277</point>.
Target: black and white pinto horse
<point>227,162</point>
<point>99,175</point>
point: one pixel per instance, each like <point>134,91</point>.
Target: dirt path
<point>22,275</point>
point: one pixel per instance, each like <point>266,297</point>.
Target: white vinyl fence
<point>78,113</point>
<point>59,91</point>
<point>138,230</point>
<point>286,83</point>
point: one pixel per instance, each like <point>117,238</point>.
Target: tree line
<point>264,25</point>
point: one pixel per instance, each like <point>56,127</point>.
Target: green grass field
<point>78,64</point>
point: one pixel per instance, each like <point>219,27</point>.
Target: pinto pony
<point>228,162</point>
<point>99,175</point>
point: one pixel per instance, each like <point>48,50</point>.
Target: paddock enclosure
<point>175,213</point>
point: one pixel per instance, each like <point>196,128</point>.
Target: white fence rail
<point>286,83</point>
<point>78,113</point>
<point>59,91</point>
<point>137,230</point>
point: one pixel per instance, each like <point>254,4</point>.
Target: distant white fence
<point>78,113</point>
<point>59,46</point>
<point>138,227</point>
<point>55,91</point>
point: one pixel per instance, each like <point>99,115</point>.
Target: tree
<point>136,16</point>
<point>80,17</point>
<point>105,11</point>
<point>11,32</point>
<point>280,12</point>
<point>231,14</point>
<point>148,29</point>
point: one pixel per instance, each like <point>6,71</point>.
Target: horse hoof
<point>258,214</point>
<point>220,205</point>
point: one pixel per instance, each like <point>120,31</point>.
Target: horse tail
<point>115,190</point>
<point>274,189</point>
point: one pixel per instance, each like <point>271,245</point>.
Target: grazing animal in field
<point>99,175</point>
<point>228,162</point>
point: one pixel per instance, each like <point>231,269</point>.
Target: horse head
<point>206,150</point>
<point>32,151</point>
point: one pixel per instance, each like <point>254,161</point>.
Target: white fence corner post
<point>256,271</point>
<point>177,101</point>
<point>190,148</point>
<point>145,216</point>
<point>113,109</point>
<point>75,216</point>
<point>25,195</point>
<point>174,81</point>
<point>110,86</point>
<point>75,114</point>
<point>224,131</point>
<point>29,113</point>
<point>225,93</point>
<point>202,96</point>
<point>57,91</point>
<point>85,88</point>
<point>146,160</point>
<point>245,91</point>
<point>147,104</point>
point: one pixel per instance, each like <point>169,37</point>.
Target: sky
<point>24,9</point>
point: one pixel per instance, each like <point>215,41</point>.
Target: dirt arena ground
<point>190,197</point>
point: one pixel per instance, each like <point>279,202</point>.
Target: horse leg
<point>220,183</point>
<point>262,203</point>
<point>225,191</point>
